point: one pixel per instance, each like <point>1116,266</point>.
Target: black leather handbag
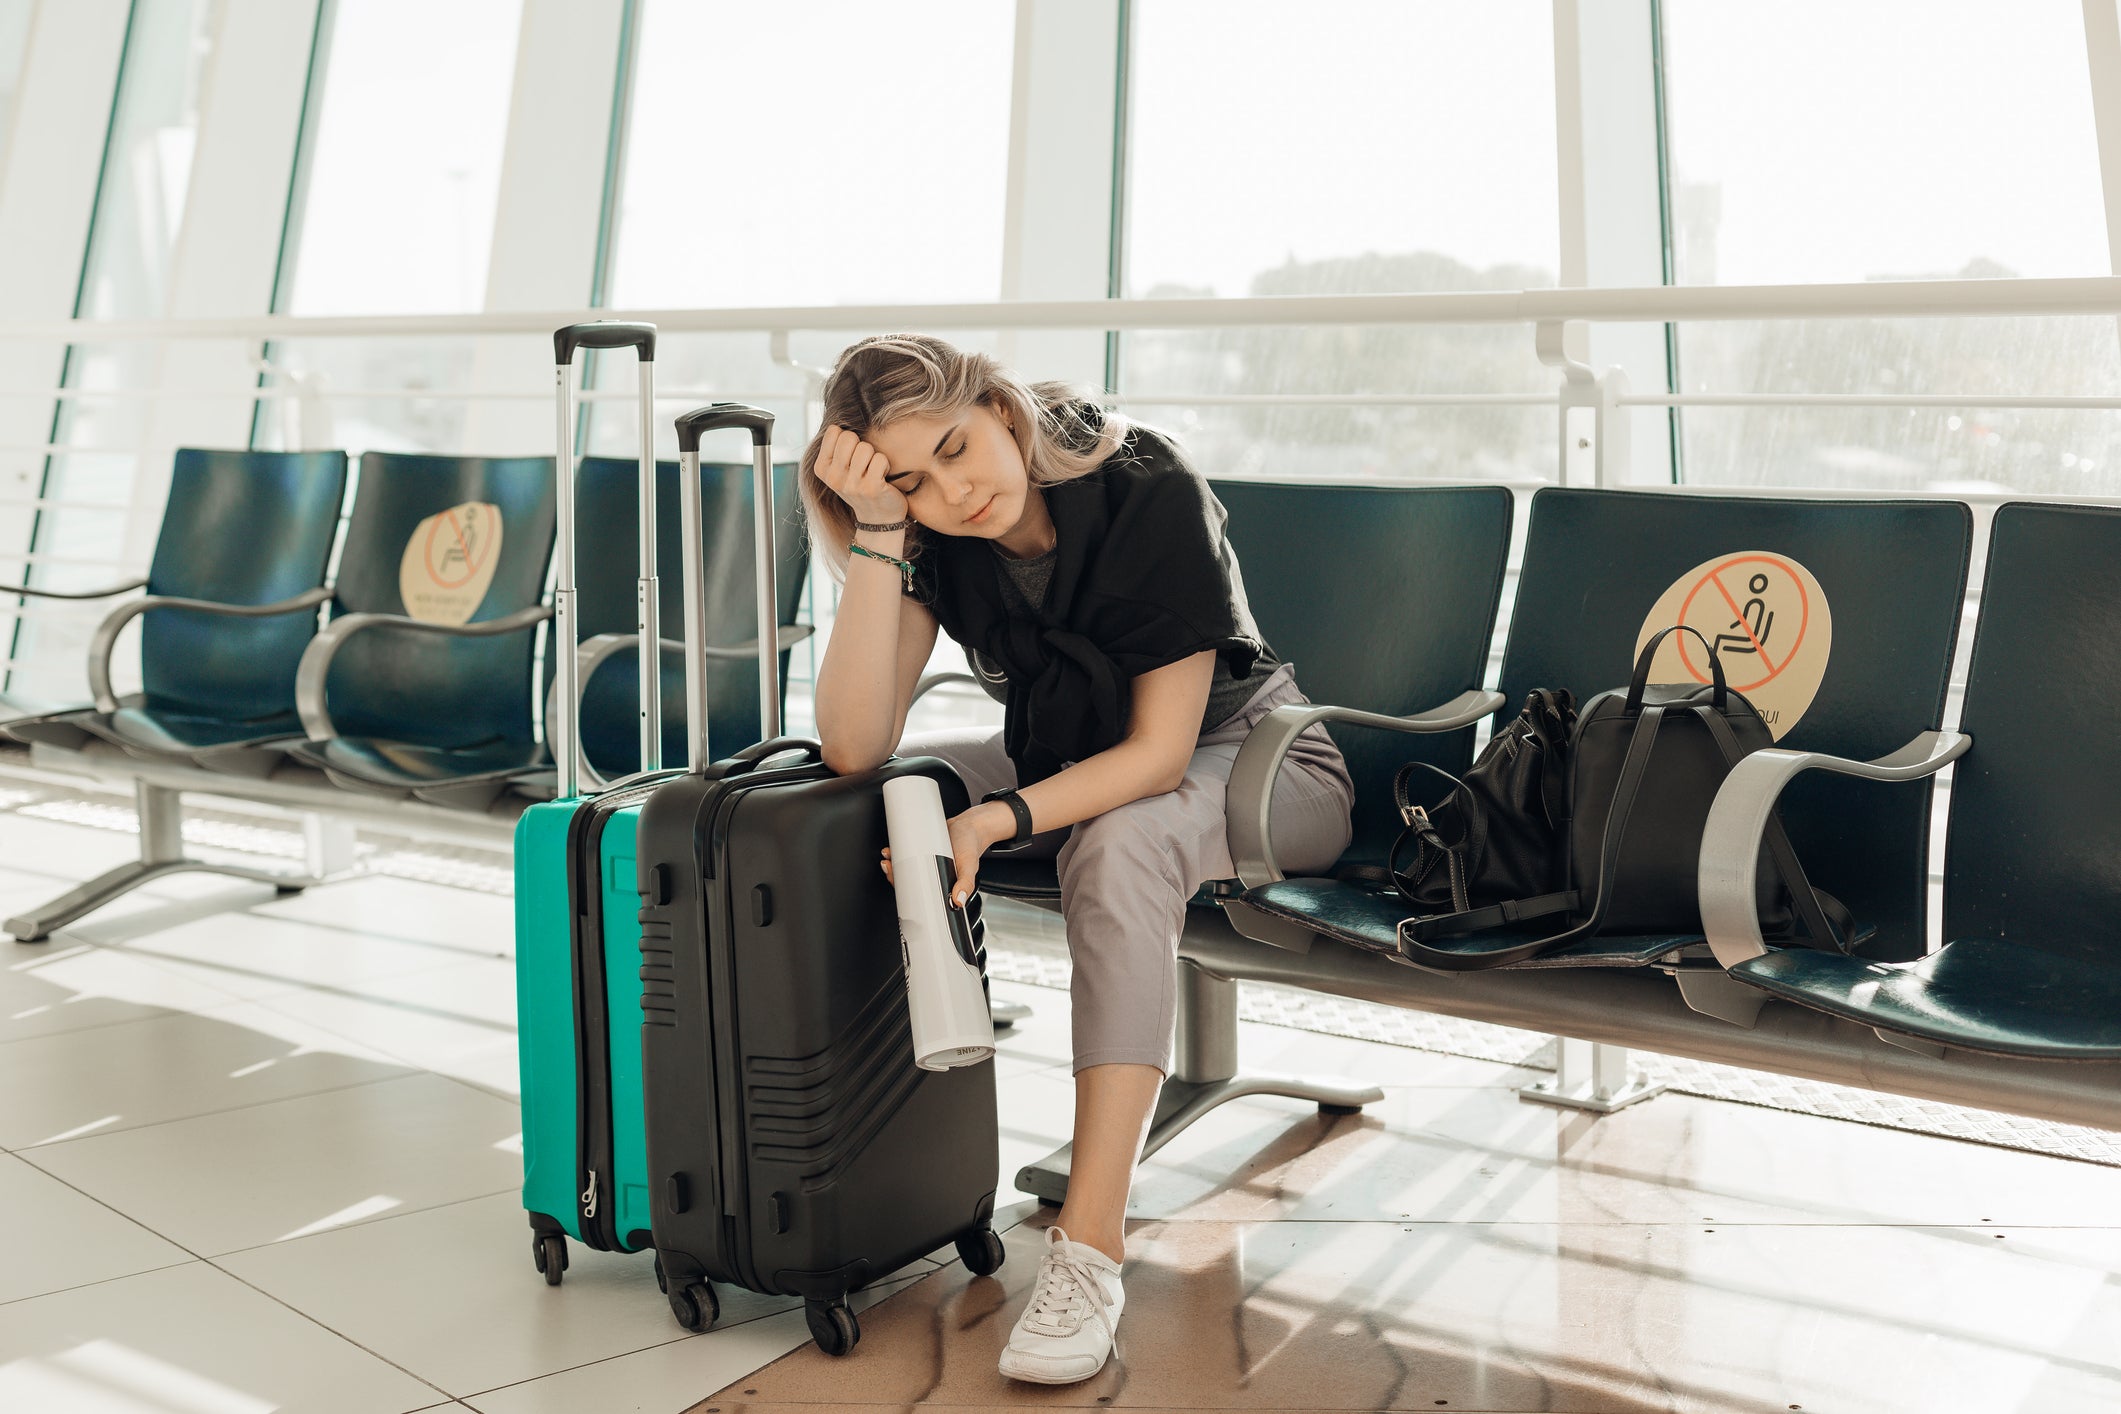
<point>1492,851</point>
<point>1644,765</point>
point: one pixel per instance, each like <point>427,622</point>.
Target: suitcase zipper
<point>594,1144</point>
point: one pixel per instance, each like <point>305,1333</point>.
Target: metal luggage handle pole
<point>563,732</point>
<point>647,613</point>
<point>690,426</point>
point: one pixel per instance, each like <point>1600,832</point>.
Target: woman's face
<point>961,473</point>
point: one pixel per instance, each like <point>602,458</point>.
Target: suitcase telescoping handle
<point>747,760</point>
<point>691,427</point>
<point>564,732</point>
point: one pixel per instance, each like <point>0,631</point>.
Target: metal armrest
<point>34,592</point>
<point>931,681</point>
<point>1730,841</point>
<point>106,635</point>
<point>785,637</point>
<point>316,659</point>
<point>595,651</point>
<point>1250,799</point>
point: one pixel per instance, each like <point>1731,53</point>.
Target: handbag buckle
<point>1414,816</point>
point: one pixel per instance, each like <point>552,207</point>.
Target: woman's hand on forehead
<point>859,475</point>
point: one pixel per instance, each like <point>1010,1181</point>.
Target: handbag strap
<point>1412,944</point>
<point>1460,859</point>
<point>1479,920</point>
<point>1819,912</point>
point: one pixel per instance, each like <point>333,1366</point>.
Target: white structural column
<point>549,210</point>
<point>2102,51</point>
<point>1612,225</point>
<point>228,246</point>
<point>47,197</point>
<point>1057,233</point>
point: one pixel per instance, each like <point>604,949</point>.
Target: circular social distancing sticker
<point>449,563</point>
<point>1770,623</point>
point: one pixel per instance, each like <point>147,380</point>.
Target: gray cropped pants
<point>1125,875</point>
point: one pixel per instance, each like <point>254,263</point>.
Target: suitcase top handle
<point>716,416</point>
<point>759,422</point>
<point>603,334</point>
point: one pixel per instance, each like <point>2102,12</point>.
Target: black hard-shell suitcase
<point>793,1146</point>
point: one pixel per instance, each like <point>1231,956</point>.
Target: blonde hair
<point>882,379</point>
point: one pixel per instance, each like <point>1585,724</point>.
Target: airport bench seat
<point>2031,965</point>
<point>231,603</point>
<point>432,698</point>
<point>1604,569</point>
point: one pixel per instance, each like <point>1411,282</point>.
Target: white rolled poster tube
<point>945,993</point>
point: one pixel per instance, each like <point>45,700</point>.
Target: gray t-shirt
<point>1031,578</point>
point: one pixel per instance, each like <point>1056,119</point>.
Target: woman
<point>1082,564</point>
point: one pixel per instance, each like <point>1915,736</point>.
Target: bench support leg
<point>161,812</point>
<point>327,844</point>
<point>1204,1075</point>
<point>1590,1077</point>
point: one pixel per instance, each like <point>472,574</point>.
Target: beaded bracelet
<point>895,525</point>
<point>905,567</point>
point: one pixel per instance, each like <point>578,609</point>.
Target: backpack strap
<point>1413,936</point>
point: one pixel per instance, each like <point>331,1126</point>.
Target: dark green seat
<point>231,604</point>
<point>1596,562</point>
<point>2032,876</point>
<point>607,520</point>
<point>1332,572</point>
<point>398,706</point>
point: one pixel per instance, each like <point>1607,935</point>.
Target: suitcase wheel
<point>832,1326</point>
<point>549,1252</point>
<point>981,1251</point>
<point>662,1283</point>
<point>695,1305</point>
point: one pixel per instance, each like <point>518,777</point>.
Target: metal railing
<point>1591,439</point>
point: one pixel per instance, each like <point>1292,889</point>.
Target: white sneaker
<point>1066,1333</point>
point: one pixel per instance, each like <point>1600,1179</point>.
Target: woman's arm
<point>1163,727</point>
<point>880,640</point>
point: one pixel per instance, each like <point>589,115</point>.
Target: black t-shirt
<point>1029,579</point>
<point>1142,576</point>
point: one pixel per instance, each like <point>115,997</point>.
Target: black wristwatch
<point>1021,811</point>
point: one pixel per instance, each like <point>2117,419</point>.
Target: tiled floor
<point>262,1154</point>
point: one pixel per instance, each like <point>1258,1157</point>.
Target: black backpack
<point>1642,767</point>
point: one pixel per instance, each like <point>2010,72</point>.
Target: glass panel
<point>405,168</point>
<point>870,169</point>
<point>876,174</point>
<point>402,179</point>
<point>1254,168</point>
<point>139,209</point>
<point>1929,140</point>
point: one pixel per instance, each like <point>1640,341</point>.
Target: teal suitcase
<point>578,1020</point>
<point>578,931</point>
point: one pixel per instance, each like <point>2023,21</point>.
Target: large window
<point>1368,146</point>
<point>398,190</point>
<point>807,152</point>
<point>1903,139</point>
<point>80,526</point>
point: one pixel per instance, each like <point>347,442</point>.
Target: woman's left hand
<point>972,833</point>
